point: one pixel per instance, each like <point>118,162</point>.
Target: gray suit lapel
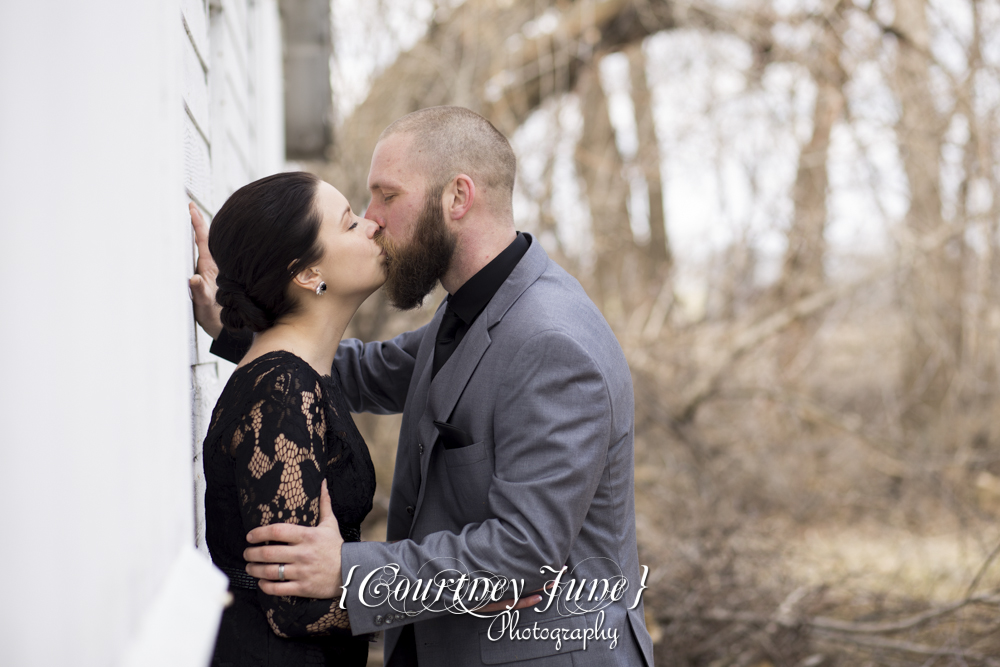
<point>408,473</point>
<point>426,432</point>
<point>527,271</point>
<point>447,386</point>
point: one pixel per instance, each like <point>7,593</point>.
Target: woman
<point>294,265</point>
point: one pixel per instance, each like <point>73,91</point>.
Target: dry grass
<point>794,496</point>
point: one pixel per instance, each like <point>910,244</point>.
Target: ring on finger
<point>281,572</point>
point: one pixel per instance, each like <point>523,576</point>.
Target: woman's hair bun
<point>239,310</point>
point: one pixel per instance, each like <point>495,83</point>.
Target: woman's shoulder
<point>275,383</point>
<point>279,376</point>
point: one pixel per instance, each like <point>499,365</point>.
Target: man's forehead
<point>393,164</point>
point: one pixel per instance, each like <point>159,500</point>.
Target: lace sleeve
<point>280,462</point>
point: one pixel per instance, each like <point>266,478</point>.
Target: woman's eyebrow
<point>345,214</point>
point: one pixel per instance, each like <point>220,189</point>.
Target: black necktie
<point>446,341</point>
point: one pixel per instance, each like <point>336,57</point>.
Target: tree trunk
<point>658,256</point>
<point>803,270</point>
<point>600,165</point>
<point>932,287</point>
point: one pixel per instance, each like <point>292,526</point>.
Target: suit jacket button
<point>421,446</point>
<point>378,620</point>
<point>409,510</point>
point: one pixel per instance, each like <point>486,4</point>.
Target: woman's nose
<point>373,228</point>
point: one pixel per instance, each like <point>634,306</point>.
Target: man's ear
<point>308,279</point>
<point>459,196</point>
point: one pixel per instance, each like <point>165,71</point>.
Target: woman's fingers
<point>202,285</point>
<point>200,230</point>
<point>199,291</point>
<point>504,605</point>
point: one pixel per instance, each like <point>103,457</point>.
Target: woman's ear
<point>309,279</point>
<point>459,196</point>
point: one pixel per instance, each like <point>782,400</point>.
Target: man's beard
<point>413,269</point>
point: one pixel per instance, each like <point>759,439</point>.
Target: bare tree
<point>659,258</point>
<point>803,271</point>
<point>933,281</point>
<point>601,167</point>
<point>804,258</point>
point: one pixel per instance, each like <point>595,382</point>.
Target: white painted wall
<point>112,112</point>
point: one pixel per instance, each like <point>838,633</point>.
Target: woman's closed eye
<point>353,225</point>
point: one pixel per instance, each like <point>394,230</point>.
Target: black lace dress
<point>278,430</point>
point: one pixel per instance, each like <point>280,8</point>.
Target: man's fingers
<point>281,588</point>
<point>325,508</point>
<point>278,532</point>
<point>272,553</point>
<point>270,571</point>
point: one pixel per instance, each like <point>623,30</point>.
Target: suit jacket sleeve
<point>552,428</point>
<point>376,376</point>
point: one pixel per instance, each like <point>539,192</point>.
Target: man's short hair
<point>449,141</point>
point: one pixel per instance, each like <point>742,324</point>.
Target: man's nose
<point>371,213</point>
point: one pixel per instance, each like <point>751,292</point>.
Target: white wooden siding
<point>242,43</point>
<point>194,14</point>
<point>197,164</point>
<point>198,167</point>
<point>195,90</point>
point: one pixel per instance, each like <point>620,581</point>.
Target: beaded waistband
<point>240,579</point>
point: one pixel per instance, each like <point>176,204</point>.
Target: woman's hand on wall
<point>202,283</point>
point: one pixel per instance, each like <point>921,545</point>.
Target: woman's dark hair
<point>263,235</point>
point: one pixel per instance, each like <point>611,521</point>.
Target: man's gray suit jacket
<point>542,387</point>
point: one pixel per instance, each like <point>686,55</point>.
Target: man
<point>515,453</point>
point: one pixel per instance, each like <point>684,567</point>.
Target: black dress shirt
<point>464,306</point>
<point>467,302</point>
